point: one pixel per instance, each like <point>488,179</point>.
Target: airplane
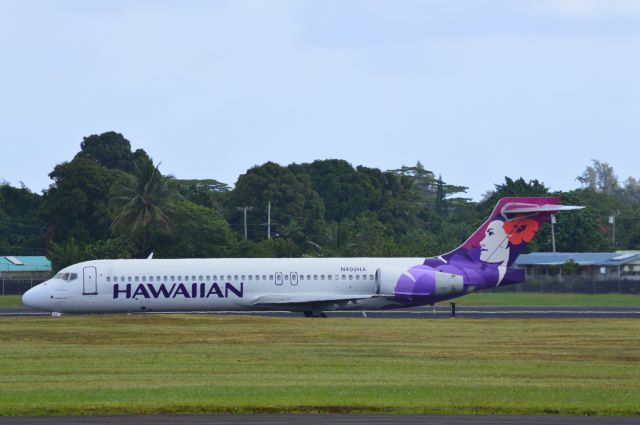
<point>307,285</point>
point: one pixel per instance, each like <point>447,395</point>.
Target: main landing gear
<point>311,313</point>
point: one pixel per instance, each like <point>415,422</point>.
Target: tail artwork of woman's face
<point>494,247</point>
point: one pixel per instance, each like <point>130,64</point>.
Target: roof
<point>29,263</point>
<point>582,258</point>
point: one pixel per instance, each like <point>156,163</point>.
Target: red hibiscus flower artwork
<point>520,230</point>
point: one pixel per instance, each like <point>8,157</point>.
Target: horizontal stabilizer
<point>524,208</point>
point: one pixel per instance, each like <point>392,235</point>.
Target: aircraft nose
<point>34,298</point>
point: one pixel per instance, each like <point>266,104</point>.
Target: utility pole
<point>553,233</point>
<point>269,220</point>
<point>245,209</point>
<point>612,222</point>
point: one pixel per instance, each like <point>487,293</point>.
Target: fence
<point>575,284</point>
<point>17,286</point>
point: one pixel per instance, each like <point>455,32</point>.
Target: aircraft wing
<point>300,299</point>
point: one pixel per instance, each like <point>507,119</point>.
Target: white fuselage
<point>298,284</point>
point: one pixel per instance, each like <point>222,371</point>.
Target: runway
<point>319,419</point>
<point>470,312</point>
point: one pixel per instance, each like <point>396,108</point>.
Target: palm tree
<point>146,200</point>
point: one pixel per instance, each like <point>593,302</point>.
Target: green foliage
<point>76,204</point>
<point>147,199</point>
<point>20,223</point>
<point>198,232</point>
<point>296,208</point>
<point>570,267</point>
<point>204,192</point>
<point>110,150</point>
<point>111,202</point>
<point>73,251</point>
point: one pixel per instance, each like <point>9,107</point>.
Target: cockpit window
<point>66,276</point>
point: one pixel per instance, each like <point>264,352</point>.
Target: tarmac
<point>528,312</point>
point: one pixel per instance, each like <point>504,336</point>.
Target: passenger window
<point>301,277</point>
<point>264,277</point>
<point>321,277</point>
<point>350,277</point>
<point>129,278</point>
<point>250,277</point>
<point>235,277</point>
<point>364,277</point>
<point>173,278</point>
<point>286,277</point>
<point>308,277</point>
<point>208,278</point>
<point>166,278</point>
<point>257,277</point>
<point>150,278</point>
<point>357,277</point>
<point>137,279</point>
<point>370,277</point>
<point>242,278</point>
<point>115,279</point>
<point>108,279</point>
<point>199,277</point>
<point>329,277</point>
<point>337,277</point>
<point>229,277</point>
<point>344,277</point>
<point>270,277</point>
<point>315,277</point>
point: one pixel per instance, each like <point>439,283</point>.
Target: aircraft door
<point>278,278</point>
<point>89,281</point>
<point>294,278</point>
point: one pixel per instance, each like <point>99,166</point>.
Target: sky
<point>475,90</point>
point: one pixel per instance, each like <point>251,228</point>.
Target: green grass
<point>119,364</point>
<point>548,299</point>
<point>10,300</point>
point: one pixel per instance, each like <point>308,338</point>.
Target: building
<point>19,273</point>
<point>582,271</point>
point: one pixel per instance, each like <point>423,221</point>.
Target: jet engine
<point>418,281</point>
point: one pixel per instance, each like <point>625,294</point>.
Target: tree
<point>292,200</point>
<point>199,232</point>
<point>76,203</point>
<point>146,200</point>
<point>203,192</point>
<point>20,223</point>
<point>339,185</point>
<point>110,149</point>
<point>599,177</point>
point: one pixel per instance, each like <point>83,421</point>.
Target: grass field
<point>495,298</point>
<point>194,364</point>
<point>10,300</point>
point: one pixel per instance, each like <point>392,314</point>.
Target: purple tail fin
<point>485,259</point>
<point>510,227</point>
